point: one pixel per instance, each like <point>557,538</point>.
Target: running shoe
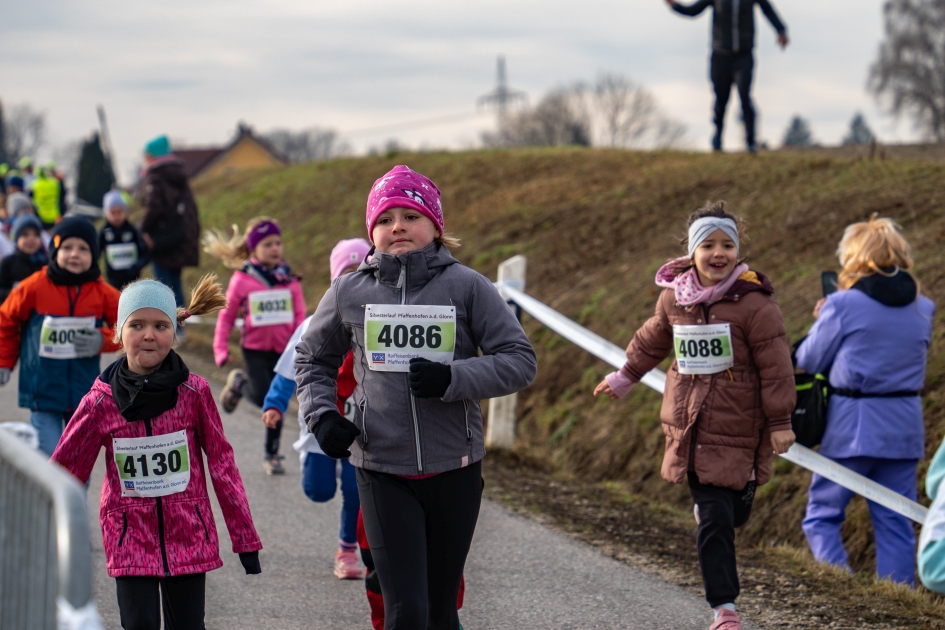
<point>233,390</point>
<point>273,465</point>
<point>346,565</point>
<point>727,620</point>
<point>717,142</point>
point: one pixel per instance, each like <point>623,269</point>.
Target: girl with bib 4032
<point>157,422</point>
<point>729,393</point>
<point>265,293</point>
<point>57,322</point>
<point>431,338</point>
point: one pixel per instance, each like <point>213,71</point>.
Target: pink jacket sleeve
<point>227,483</point>
<point>298,303</point>
<point>235,293</point>
<point>80,444</point>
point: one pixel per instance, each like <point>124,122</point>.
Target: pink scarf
<point>689,291</point>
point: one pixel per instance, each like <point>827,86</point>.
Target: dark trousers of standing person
<point>720,511</point>
<point>420,531</point>
<point>170,278</point>
<point>260,370</point>
<point>727,69</point>
<point>182,598</point>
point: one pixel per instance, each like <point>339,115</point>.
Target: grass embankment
<point>595,226</point>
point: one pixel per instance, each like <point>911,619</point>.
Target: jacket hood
<point>898,289</point>
<point>749,282</point>
<point>171,170</point>
<point>420,265</point>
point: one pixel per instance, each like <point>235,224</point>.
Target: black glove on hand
<point>429,379</point>
<point>250,562</point>
<point>334,433</point>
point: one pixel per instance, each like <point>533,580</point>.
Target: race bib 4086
<point>394,334</point>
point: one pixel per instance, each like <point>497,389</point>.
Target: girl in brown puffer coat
<point>729,393</point>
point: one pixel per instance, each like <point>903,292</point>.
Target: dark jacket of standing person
<point>170,216</point>
<point>733,22</point>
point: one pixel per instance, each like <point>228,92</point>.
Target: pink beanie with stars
<point>403,188</point>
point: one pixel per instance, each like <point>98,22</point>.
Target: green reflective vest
<point>46,198</point>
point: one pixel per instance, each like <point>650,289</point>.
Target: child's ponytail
<point>207,297</point>
<point>233,251</point>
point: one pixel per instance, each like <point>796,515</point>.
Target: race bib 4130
<point>394,334</point>
<point>703,349</point>
<point>152,466</point>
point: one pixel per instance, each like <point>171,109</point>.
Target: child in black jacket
<point>29,257</point>
<point>125,251</point>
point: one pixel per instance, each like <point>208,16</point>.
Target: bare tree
<point>24,130</point>
<point>308,145</point>
<point>910,70</point>
<point>629,116</point>
<point>560,118</point>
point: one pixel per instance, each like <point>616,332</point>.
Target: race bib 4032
<point>152,466</point>
<point>703,349</point>
<point>394,334</point>
<point>271,308</point>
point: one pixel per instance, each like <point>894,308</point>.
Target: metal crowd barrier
<point>656,380</point>
<point>45,549</point>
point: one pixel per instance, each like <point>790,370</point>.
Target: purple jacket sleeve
<point>227,319</point>
<point>818,350</point>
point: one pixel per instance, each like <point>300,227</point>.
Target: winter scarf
<point>142,397</point>
<point>281,274</point>
<point>685,282</point>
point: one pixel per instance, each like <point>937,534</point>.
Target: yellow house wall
<point>245,154</point>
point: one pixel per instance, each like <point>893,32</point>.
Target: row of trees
<point>799,133</point>
<point>22,133</point>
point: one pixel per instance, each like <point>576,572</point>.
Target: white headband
<point>704,227</point>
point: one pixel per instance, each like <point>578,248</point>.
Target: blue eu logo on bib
<point>130,485</point>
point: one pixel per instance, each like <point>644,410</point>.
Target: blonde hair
<point>448,240</point>
<point>233,251</point>
<point>869,247</point>
<point>206,298</point>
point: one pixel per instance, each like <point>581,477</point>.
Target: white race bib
<point>350,408</point>
<point>152,466</point>
<point>121,256</point>
<point>394,334</point>
<point>271,308</point>
<point>703,349</point>
<point>58,334</point>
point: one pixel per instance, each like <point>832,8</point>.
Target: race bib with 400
<point>121,256</point>
<point>703,349</point>
<point>271,308</point>
<point>152,466</point>
<point>394,334</point>
<point>57,337</point>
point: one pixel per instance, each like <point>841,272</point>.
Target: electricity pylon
<point>501,97</point>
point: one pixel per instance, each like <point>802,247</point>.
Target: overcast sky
<point>192,69</point>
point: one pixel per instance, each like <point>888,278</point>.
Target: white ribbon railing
<point>656,379</point>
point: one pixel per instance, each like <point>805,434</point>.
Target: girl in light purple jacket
<point>157,422</point>
<point>871,337</point>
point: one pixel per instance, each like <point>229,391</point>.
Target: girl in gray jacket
<point>430,339</point>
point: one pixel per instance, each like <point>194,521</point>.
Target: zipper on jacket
<point>466,420</point>
<point>160,515</point>
<point>413,401</point>
<point>206,532</point>
<point>362,406</point>
<point>124,528</point>
<point>736,40</point>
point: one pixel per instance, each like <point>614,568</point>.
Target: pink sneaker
<point>727,620</point>
<point>346,565</point>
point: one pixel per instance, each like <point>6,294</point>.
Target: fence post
<point>500,429</point>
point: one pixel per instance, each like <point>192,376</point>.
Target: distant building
<point>246,151</point>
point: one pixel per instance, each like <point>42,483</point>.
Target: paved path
<point>519,575</point>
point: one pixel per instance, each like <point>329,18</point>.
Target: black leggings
<point>726,69</point>
<point>720,511</point>
<point>182,598</point>
<point>260,370</point>
<point>420,531</point>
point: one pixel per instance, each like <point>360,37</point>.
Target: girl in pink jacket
<point>157,422</point>
<point>268,297</point>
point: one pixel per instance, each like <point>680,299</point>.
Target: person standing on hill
<point>733,61</point>
<point>871,338</point>
<point>171,225</point>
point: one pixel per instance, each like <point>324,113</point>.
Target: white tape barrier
<point>656,379</point>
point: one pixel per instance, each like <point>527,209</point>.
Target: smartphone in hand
<point>828,282</point>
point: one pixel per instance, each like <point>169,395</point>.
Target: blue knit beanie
<point>158,147</point>
<point>113,198</point>
<point>25,221</point>
<point>146,294</point>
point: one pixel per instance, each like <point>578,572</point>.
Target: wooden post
<point>500,429</point>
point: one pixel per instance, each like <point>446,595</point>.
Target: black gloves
<point>429,379</point>
<point>334,434</point>
<point>250,562</point>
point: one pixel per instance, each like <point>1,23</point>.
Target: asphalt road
<point>518,575</point>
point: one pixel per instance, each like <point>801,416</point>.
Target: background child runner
<point>319,472</point>
<point>151,415</point>
<point>126,253</point>
<point>729,393</point>
<point>30,255</point>
<point>418,441</point>
<point>56,323</point>
<point>932,542</point>
<point>265,293</point>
